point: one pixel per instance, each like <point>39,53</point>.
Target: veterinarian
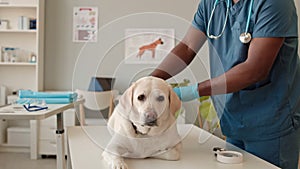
<point>256,44</point>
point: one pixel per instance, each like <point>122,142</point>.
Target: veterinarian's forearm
<point>235,79</point>
<point>182,55</point>
<point>261,57</point>
<point>178,59</point>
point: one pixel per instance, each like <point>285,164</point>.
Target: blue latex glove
<point>187,93</point>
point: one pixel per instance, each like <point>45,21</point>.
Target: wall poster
<point>85,24</point>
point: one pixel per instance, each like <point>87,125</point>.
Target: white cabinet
<point>21,58</point>
<point>21,54</point>
<point>47,133</point>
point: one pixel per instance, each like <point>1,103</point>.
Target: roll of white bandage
<point>229,157</point>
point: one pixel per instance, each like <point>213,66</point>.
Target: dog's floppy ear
<point>175,103</point>
<point>126,100</point>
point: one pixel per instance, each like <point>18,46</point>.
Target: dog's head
<point>160,41</point>
<point>149,102</point>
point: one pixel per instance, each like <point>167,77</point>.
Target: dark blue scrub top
<point>269,108</point>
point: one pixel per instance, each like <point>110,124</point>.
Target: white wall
<point>61,53</point>
<point>70,65</point>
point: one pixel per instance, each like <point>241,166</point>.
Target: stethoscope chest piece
<point>245,37</point>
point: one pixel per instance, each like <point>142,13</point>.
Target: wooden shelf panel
<point>17,5</point>
<point>17,64</point>
<point>17,31</point>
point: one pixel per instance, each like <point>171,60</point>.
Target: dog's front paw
<point>115,162</point>
<point>118,164</point>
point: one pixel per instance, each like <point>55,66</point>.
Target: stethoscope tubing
<point>249,16</point>
<point>210,19</point>
<point>245,37</point>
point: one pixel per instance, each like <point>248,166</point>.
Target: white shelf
<point>17,31</point>
<point>29,41</point>
<point>17,6</point>
<point>17,64</point>
<point>12,74</point>
<point>12,145</point>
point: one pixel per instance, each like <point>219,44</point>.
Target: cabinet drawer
<point>48,147</point>
<point>69,119</point>
<point>50,121</point>
<point>47,132</point>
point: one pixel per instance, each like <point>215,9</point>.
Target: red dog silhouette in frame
<point>151,47</point>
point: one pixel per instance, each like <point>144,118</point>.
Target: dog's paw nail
<point>119,165</point>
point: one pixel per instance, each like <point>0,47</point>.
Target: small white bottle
<point>33,58</point>
<point>20,22</point>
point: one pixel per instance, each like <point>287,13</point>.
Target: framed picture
<point>85,24</point>
<point>148,46</point>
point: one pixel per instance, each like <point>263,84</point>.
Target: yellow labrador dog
<point>143,124</point>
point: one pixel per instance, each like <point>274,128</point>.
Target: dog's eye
<point>160,98</point>
<point>141,97</point>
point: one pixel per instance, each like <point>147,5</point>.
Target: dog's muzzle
<point>150,118</point>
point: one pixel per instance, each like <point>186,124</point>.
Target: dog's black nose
<point>151,123</point>
<point>150,119</point>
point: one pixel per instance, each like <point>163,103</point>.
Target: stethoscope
<point>32,108</point>
<point>244,37</point>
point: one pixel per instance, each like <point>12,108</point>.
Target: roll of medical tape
<point>230,157</point>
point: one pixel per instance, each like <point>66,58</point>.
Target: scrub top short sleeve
<point>200,21</point>
<point>272,21</point>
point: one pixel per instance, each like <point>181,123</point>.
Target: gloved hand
<point>187,93</point>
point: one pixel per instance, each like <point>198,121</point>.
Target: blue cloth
<point>48,97</point>
<point>281,151</point>
<point>187,93</point>
<point>270,108</point>
<point>32,94</point>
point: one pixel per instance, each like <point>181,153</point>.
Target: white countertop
<point>87,142</point>
<point>18,112</point>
